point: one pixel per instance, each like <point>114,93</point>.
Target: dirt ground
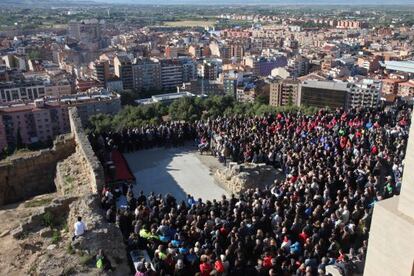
<point>16,257</point>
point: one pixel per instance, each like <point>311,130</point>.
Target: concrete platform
<point>179,171</point>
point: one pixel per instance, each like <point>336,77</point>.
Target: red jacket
<point>205,269</point>
<point>267,262</point>
<point>218,266</point>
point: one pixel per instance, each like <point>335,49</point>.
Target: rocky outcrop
<point>31,174</point>
<point>99,235</point>
<point>237,178</point>
<point>57,209</point>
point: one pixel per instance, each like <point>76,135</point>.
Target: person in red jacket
<point>219,267</point>
<point>205,266</point>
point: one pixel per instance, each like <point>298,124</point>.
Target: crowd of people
<point>337,165</point>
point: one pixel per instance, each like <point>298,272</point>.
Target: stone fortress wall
<point>91,179</point>
<point>79,177</point>
<point>91,165</point>
<point>34,173</point>
<point>30,174</point>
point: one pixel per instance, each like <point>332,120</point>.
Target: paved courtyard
<point>179,171</point>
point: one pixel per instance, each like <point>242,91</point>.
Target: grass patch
<point>65,227</point>
<point>86,260</point>
<point>69,249</point>
<point>56,237</point>
<point>38,202</point>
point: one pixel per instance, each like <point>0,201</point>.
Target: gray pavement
<point>179,171</point>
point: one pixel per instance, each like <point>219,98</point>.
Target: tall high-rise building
<point>210,69</point>
<point>101,71</point>
<point>237,51</point>
<point>123,70</point>
<point>171,73</point>
<point>146,74</point>
<point>300,66</point>
<point>189,70</point>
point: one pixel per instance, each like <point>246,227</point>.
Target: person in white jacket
<point>79,228</point>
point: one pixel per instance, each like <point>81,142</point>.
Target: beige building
<point>284,92</point>
<point>406,89</point>
<point>59,88</point>
<point>391,239</point>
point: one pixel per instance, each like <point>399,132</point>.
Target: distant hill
<point>43,2</point>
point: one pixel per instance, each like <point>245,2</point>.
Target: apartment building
<point>406,89</point>
<point>262,66</point>
<point>123,70</point>
<point>21,90</point>
<point>101,71</point>
<point>189,69</point>
<point>284,92</point>
<point>41,120</point>
<point>34,122</point>
<point>364,93</point>
<point>390,86</point>
<point>210,69</point>
<point>146,74</point>
<point>324,94</point>
<point>171,74</point>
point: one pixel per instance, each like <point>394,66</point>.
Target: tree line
<point>185,109</point>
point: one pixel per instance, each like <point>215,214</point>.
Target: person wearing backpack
<point>102,262</point>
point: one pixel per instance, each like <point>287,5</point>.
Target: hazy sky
<point>281,2</point>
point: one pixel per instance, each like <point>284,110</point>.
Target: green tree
<point>101,122</point>
<point>19,140</point>
<point>34,54</point>
<point>262,99</point>
<point>290,100</point>
<point>128,97</point>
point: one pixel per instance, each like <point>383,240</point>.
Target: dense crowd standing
<point>337,165</point>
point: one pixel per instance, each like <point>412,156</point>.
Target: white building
<point>364,93</point>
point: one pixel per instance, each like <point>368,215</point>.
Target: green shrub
<point>56,236</point>
<point>69,249</point>
<point>48,219</point>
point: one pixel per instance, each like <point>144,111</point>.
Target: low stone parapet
<point>32,173</point>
